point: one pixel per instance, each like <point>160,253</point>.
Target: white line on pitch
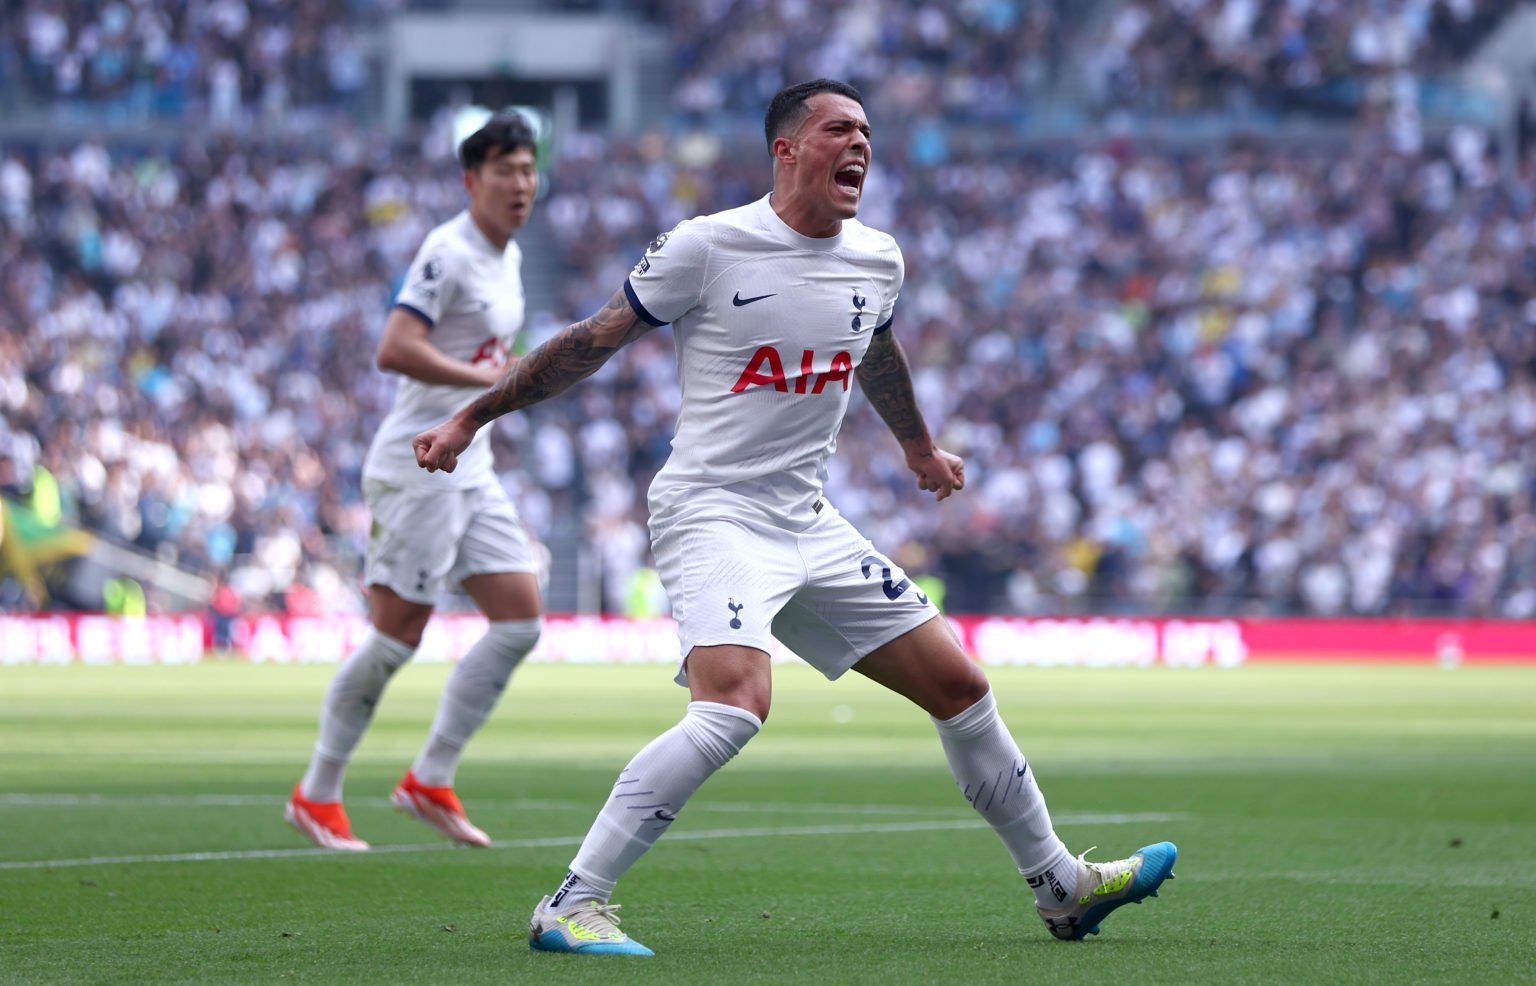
<point>1087,818</point>
<point>210,801</point>
<point>271,801</point>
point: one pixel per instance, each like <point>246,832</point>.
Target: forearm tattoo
<point>887,382</point>
<point>573,354</point>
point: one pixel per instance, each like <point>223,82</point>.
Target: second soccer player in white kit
<point>448,334</point>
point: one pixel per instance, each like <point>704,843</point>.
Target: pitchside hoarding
<point>992,640</point>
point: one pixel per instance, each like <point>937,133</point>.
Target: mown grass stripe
<point>764,832</point>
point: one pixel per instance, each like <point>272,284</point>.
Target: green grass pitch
<point>1335,824</point>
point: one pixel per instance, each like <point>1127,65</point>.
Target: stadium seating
<point>1249,378</point>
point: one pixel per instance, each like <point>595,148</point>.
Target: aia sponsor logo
<point>766,369</point>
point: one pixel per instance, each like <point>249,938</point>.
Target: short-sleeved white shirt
<point>769,326</point>
<point>471,294</point>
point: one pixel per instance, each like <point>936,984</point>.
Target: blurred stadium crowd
<point>1317,54</point>
<point>991,59</point>
<point>224,60</point>
<point>217,60</point>
<point>1245,378</point>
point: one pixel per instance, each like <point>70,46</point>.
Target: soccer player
<point>776,306</point>
<point>448,334</point>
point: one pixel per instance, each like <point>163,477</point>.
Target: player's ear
<point>469,181</point>
<point>783,150</point>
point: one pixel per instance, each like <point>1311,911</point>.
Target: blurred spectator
<point>223,607</point>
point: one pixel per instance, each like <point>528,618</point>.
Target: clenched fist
<point>938,472</point>
<point>439,448</point>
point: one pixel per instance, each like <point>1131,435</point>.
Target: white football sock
<point>474,686</point>
<point>348,708</point>
<point>650,792</point>
<point>996,780</point>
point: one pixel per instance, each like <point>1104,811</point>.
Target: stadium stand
<point>223,61</point>
<point>1318,56</point>
<point>1246,377</point>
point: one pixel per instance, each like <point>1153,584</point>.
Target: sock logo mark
<point>565,887</point>
<point>1048,877</point>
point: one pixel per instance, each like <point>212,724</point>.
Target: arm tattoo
<point>573,354</point>
<point>887,382</point>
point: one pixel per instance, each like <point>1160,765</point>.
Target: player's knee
<point>954,693</point>
<point>759,707</point>
<point>385,654</point>
<point>399,618</point>
<point>754,694</point>
<point>747,701</point>
<point>748,697</point>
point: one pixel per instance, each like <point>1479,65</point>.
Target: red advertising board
<point>992,640</point>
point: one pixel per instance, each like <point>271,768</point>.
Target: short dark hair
<point>502,134</point>
<point>787,110</point>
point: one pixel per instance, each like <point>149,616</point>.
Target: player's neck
<point>492,235</point>
<point>800,216</point>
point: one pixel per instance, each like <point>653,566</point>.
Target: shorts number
<point>892,590</point>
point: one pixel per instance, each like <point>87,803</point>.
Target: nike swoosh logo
<point>738,301</point>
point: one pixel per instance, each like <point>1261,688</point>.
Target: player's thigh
<point>730,675</point>
<point>856,599</point>
<point>505,595</point>
<point>927,666</point>
<point>726,579</point>
<point>408,556</point>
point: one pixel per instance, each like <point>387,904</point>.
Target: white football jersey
<point>769,327</point>
<point>471,294</point>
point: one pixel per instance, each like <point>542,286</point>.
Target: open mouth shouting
<point>849,179</point>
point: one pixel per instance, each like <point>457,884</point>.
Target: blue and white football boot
<point>1102,887</point>
<point>589,928</point>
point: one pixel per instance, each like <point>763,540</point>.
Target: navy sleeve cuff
<point>417,312</point>
<point>886,325</point>
<point>634,302</point>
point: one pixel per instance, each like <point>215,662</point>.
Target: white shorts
<point>422,538</point>
<point>824,592</point>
